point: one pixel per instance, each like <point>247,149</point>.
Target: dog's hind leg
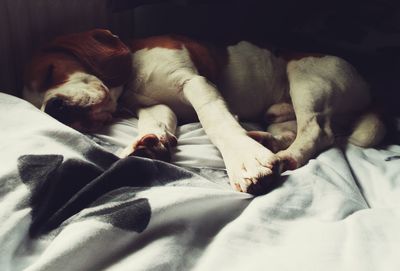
<point>250,166</point>
<point>316,88</point>
<point>282,128</point>
<point>156,125</point>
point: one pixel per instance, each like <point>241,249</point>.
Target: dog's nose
<point>58,109</point>
<point>54,106</point>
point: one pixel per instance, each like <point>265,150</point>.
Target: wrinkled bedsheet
<point>68,203</point>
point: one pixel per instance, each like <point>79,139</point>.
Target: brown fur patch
<point>100,52</point>
<point>203,58</point>
<point>96,52</point>
<point>48,70</point>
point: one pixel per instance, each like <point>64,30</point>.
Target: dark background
<point>367,33</point>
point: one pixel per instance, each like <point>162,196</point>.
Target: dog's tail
<point>368,130</point>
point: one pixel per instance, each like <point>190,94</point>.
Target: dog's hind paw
<point>151,146</point>
<point>271,142</point>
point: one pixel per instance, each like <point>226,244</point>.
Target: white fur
<point>80,89</point>
<point>159,77</point>
<point>157,120</point>
<point>252,80</point>
<point>321,88</point>
<point>246,160</point>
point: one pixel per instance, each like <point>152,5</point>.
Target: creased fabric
<point>68,203</point>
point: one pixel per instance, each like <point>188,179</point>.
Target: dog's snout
<point>59,109</point>
<point>55,106</point>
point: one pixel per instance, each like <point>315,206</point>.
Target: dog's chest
<point>159,75</point>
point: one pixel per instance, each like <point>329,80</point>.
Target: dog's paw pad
<point>153,147</point>
<point>148,141</point>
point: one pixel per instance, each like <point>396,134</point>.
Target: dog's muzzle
<point>78,117</point>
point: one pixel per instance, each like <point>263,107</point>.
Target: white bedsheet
<point>194,148</point>
<point>341,211</point>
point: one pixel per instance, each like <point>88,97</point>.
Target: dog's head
<point>77,78</point>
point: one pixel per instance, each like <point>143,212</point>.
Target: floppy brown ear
<point>102,53</point>
<point>39,75</point>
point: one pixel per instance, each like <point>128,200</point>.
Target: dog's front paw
<point>151,146</point>
<point>252,168</point>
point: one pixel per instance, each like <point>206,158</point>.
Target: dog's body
<point>174,78</point>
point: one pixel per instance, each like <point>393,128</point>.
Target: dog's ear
<point>102,53</point>
<point>39,73</point>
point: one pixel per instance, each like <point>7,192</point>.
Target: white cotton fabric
<point>341,211</point>
<point>194,149</point>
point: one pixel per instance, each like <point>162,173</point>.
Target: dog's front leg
<point>156,125</point>
<point>250,165</point>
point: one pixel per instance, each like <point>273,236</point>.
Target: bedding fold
<point>68,203</point>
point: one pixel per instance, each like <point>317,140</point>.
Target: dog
<point>306,99</point>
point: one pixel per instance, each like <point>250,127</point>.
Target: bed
<point>68,203</point>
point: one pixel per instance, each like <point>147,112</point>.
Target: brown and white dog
<point>78,79</point>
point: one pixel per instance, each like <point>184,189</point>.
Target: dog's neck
<point>117,92</point>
